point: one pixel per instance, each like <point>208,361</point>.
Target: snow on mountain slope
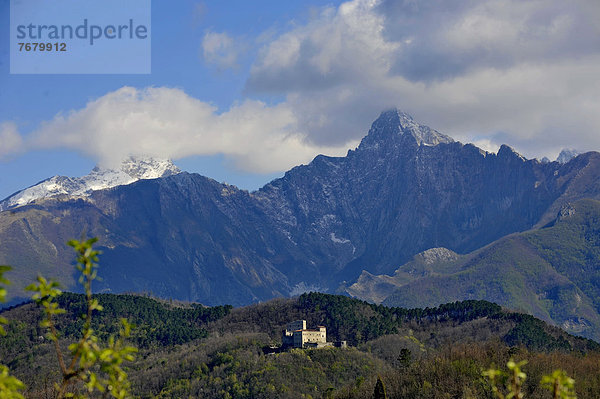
<point>567,154</point>
<point>131,170</point>
<point>393,124</point>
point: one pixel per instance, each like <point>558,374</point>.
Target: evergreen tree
<point>379,392</point>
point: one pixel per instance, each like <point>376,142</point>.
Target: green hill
<point>190,350</point>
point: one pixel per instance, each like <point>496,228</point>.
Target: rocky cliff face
<point>405,189</point>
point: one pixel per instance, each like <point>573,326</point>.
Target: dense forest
<point>191,350</point>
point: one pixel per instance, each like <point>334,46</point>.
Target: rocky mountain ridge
<point>131,169</point>
<point>404,190</point>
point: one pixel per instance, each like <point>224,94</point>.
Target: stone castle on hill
<point>296,335</point>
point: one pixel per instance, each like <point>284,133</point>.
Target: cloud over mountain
<point>166,122</point>
<point>490,72</point>
<point>520,72</point>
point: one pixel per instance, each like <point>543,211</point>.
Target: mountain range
<point>350,224</point>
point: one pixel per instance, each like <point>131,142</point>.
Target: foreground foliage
<point>92,367</point>
<point>98,368</point>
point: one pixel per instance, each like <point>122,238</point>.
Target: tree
<point>98,368</point>
<point>379,392</point>
<point>405,358</point>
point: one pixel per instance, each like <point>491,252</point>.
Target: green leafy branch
<point>561,385</point>
<point>87,357</point>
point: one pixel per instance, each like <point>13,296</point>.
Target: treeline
<point>536,335</point>
<point>157,323</point>
<point>358,321</point>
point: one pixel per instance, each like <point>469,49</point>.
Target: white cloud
<point>522,72</point>
<point>485,144</point>
<point>166,122</point>
<point>220,50</point>
<point>336,47</point>
<point>525,73</point>
<point>10,140</point>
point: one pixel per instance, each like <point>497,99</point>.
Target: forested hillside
<point>188,349</point>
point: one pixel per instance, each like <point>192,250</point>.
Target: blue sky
<point>241,91</point>
<point>177,32</point>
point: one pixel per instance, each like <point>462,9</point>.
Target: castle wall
<point>296,334</point>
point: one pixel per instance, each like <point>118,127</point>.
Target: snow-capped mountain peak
<point>393,124</point>
<point>567,154</point>
<point>148,168</point>
<point>131,169</point>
